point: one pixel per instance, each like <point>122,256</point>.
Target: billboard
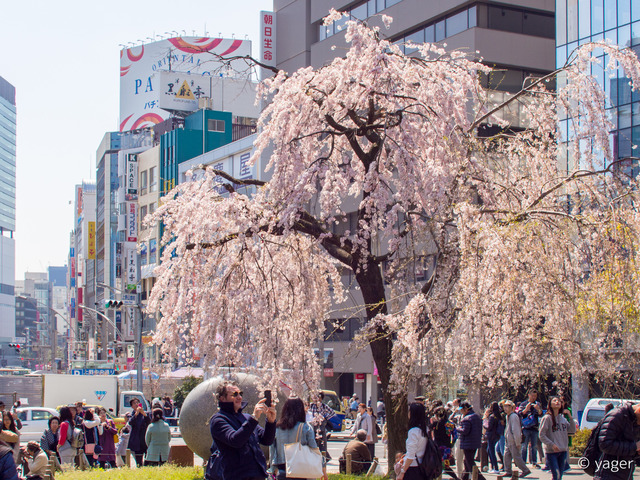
<point>181,91</point>
<point>140,87</point>
<point>91,254</point>
<point>267,42</point>
<point>131,190</point>
<point>132,222</point>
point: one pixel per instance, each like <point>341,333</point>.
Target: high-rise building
<point>618,21</point>
<point>7,208</point>
<point>515,36</point>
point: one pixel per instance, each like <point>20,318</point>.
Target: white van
<point>594,410</point>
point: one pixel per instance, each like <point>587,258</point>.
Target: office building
<point>7,209</point>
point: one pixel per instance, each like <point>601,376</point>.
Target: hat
<point>419,398</point>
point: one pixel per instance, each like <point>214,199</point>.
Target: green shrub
<point>183,390</point>
<point>579,442</point>
<point>145,473</point>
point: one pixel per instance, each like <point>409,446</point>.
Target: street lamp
<point>52,327</point>
<point>138,333</point>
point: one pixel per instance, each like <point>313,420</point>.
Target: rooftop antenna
<point>205,30</point>
<point>161,37</point>
<point>184,32</point>
<point>141,41</point>
<point>124,47</point>
<point>193,32</point>
<point>168,34</point>
<point>151,39</point>
<point>177,33</point>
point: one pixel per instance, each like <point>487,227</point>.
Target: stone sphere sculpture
<point>201,404</point>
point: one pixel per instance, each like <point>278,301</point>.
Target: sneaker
<point>545,469</point>
<point>522,475</point>
<point>494,472</point>
<point>507,474</point>
<point>535,465</point>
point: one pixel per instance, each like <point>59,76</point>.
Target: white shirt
<point>416,445</point>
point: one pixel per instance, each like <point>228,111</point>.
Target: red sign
<point>360,377</point>
<point>328,372</point>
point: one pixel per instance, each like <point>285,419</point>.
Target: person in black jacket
<point>442,428</point>
<point>493,434</point>
<point>619,442</point>
<point>138,421</point>
<point>237,436</point>
<point>470,433</point>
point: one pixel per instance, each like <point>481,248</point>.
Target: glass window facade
<point>581,21</point>
<point>7,156</point>
<point>480,14</point>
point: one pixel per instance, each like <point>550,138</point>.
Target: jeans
<point>531,440</point>
<point>491,450</point>
<point>556,464</point>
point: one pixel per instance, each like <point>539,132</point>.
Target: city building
<point>26,330</point>
<point>584,21</point>
<point>81,273</point>
<point>515,36</point>
<point>7,209</point>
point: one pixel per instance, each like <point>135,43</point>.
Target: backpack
<point>431,465</point>
<point>75,437</point>
<point>592,451</point>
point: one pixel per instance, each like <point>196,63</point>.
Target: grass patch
<point>165,472</point>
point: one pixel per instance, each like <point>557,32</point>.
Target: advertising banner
<point>91,253</point>
<point>131,188</point>
<point>181,91</point>
<point>132,222</point>
<point>140,89</point>
<point>267,41</point>
<point>131,270</point>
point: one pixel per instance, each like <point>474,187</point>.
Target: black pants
<point>372,449</point>
<point>469,463</point>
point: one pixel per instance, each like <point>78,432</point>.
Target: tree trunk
<point>372,287</point>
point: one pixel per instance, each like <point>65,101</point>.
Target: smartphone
<point>267,396</point>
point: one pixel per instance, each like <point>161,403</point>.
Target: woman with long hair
<point>416,443</point>
<point>66,452</point>
<point>493,435</point>
<point>157,438</point>
<point>442,429</point>
<point>554,434</point>
<point>11,434</point>
<point>90,423</point>
<point>291,425</point>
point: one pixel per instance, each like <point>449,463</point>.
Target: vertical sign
<point>92,241</point>
<point>267,41</point>
<point>129,327</point>
<point>131,270</point>
<point>79,202</point>
<point>131,189</point>
<point>132,222</point>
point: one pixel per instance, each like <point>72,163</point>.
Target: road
<point>335,447</point>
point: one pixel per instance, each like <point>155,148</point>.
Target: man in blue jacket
<point>470,438</point>
<point>237,436</point>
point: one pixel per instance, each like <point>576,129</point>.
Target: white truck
<point>103,390</point>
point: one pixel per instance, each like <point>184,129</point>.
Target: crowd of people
<point>85,438</point>
<point>503,435</point>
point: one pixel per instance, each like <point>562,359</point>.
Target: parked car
<point>35,420</point>
<point>594,410</point>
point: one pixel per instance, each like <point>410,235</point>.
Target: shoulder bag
<point>302,461</point>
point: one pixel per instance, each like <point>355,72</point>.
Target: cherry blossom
<point>482,243</point>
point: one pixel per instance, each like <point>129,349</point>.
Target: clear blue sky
<point>63,58</point>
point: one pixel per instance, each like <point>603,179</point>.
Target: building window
<point>153,179</point>
<point>215,125</point>
<point>143,213</point>
<point>143,183</point>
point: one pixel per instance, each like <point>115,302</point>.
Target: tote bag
<point>302,460</point>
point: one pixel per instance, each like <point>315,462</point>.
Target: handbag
<point>302,461</point>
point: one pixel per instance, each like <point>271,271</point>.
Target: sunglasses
<point>236,394</point>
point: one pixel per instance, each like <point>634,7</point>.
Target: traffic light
<point>16,346</point>
<point>112,303</point>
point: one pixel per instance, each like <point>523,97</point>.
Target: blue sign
<point>93,371</point>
